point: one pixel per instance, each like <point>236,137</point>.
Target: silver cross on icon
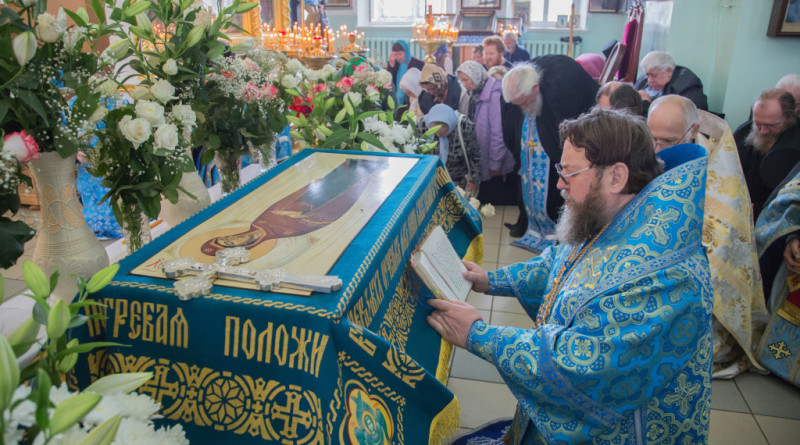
<point>195,279</point>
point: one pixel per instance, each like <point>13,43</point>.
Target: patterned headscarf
<point>478,74</point>
<point>434,75</point>
<point>441,113</point>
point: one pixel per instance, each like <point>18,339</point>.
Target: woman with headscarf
<point>400,60</point>
<point>409,84</point>
<point>458,148</point>
<point>443,59</point>
<point>498,182</point>
<point>441,88</point>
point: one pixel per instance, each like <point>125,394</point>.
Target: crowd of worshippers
<point>605,178</point>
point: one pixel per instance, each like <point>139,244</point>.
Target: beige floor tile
<point>480,301</point>
<point>780,431</point>
<point>507,304</point>
<point>505,237</point>
<point>725,396</point>
<point>514,320</point>
<point>467,365</point>
<point>491,235</point>
<point>495,221</point>
<point>511,254</point>
<point>510,214</point>
<point>491,252</point>
<point>728,428</point>
<point>482,401</point>
<point>768,395</point>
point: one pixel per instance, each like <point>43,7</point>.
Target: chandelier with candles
<point>431,36</point>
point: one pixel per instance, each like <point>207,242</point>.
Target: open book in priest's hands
<point>439,267</point>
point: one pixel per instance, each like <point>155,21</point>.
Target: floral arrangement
<point>43,67</point>
<point>486,210</point>
<point>329,110</point>
<point>240,107</point>
<point>15,149</point>
<point>140,154</point>
<point>399,136</point>
<point>35,407</point>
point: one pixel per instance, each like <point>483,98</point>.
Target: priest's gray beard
<point>579,223</point>
<point>536,107</point>
<point>762,142</point>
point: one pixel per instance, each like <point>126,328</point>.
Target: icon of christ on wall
<point>301,220</point>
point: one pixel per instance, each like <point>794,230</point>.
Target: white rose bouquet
<point>140,156</point>
<point>44,65</point>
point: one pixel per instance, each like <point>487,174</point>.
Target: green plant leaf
<point>36,279</point>
<point>340,116</point>
<point>42,398</point>
<point>54,280</point>
<point>194,36</point>
<point>77,18</point>
<point>58,320</point>
<point>72,410</point>
<point>9,373</point>
<point>119,383</point>
<point>136,8</point>
<point>24,336</point>
<point>100,11</point>
<point>245,6</point>
<point>371,139</point>
<point>103,434</point>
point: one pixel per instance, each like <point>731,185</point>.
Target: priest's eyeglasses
<point>664,143</point>
<point>564,176</point>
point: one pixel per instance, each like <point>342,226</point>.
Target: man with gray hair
<point>768,144</point>
<point>739,309</point>
<point>791,84</point>
<point>514,51</point>
<point>662,77</point>
<point>552,89</point>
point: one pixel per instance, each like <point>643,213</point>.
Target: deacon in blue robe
<point>621,348</point>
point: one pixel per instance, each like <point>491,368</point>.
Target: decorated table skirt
<point>359,365</point>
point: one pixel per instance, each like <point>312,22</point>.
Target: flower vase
<point>186,206</point>
<point>135,226</point>
<point>65,241</point>
<point>228,163</point>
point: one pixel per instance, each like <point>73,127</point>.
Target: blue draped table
<point>354,366</point>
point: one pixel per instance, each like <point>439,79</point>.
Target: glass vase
<point>135,227</point>
<point>228,163</point>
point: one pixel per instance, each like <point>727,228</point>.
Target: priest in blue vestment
<point>621,349</point>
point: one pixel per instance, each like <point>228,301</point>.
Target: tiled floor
<point>751,409</point>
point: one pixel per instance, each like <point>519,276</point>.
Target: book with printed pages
<point>439,267</point>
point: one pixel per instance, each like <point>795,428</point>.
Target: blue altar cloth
<point>356,366</point>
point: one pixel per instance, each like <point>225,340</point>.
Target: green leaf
<point>293,120</point>
<point>58,319</point>
<point>9,373</point>
<point>136,8</point>
<point>390,102</point>
<point>72,410</point>
<point>340,116</point>
<point>119,383</point>
<point>3,109</point>
<point>35,279</point>
<point>24,336</point>
<point>214,142</point>
<point>336,138</point>
<point>194,36</point>
<point>13,235</point>
<point>368,114</point>
<point>101,279</point>
<point>103,434</point>
<point>245,6</point>
<point>42,398</point>
<point>54,280</point>
<point>371,139</point>
<point>77,18</point>
<point>100,10</point>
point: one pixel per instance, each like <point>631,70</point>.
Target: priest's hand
<point>477,276</point>
<point>452,320</point>
<point>792,255</point>
<point>645,96</point>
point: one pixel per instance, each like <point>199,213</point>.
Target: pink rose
<point>22,146</point>
<point>251,93</point>
<point>320,88</point>
<point>345,84</point>
<point>269,91</point>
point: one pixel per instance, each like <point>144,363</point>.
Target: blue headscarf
<point>401,71</point>
<point>443,114</point>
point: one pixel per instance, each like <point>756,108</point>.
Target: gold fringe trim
<point>789,312</point>
<point>443,370</point>
<point>475,250</point>
<point>445,423</point>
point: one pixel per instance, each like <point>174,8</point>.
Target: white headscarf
<point>410,81</point>
<point>442,113</point>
